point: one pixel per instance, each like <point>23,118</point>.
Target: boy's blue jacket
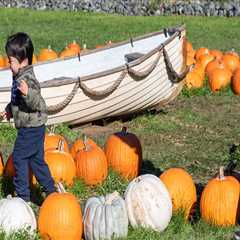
<point>29,110</point>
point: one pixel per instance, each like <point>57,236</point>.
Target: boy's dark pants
<point>29,152</point>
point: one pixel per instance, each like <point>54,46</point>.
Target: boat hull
<point>152,86</point>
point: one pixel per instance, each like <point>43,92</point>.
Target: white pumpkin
<point>16,214</point>
<point>105,217</point>
<point>148,203</point>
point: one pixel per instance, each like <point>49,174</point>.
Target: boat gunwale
<point>60,81</point>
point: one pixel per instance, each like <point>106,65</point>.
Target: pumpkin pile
<point>148,201</point>
<point>47,54</point>
<point>221,69</point>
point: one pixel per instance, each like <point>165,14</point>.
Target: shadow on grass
<point>149,168</point>
<point>7,188</point>
<point>196,215</point>
<point>126,118</point>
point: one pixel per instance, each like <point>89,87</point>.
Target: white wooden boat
<point>116,80</point>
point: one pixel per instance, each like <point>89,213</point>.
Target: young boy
<point>28,109</point>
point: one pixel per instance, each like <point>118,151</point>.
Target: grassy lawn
<point>58,28</point>
<point>193,132</point>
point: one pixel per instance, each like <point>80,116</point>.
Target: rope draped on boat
<point>142,74</point>
<point>108,90</point>
<point>137,75</point>
<point>176,77</point>
<point>53,109</point>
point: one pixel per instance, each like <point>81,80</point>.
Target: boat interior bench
<point>132,56</point>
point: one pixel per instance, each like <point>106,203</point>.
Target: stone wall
<point>134,7</point>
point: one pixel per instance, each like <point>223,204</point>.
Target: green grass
<point>58,28</point>
<point>194,131</point>
<point>19,235</point>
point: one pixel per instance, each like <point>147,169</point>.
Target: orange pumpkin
<point>231,61</point>
<point>219,78</point>
<point>60,217</point>
<point>212,65</point>
<point>1,164</point>
<point>201,51</point>
<point>51,142</point>
<point>235,83</point>
<point>67,52</point>
<point>217,54</point>
<point>61,165</point>
<point>124,153</point>
<point>79,145</point>
<point>5,63</point>
<point>6,60</point>
<point>199,69</point>
<point>91,164</point>
<point>2,62</point>
<point>232,52</point>
<point>190,61</point>
<point>193,80</point>
<point>47,54</point>
<point>189,47</point>
<point>34,59</point>
<point>205,59</point>
<point>219,200</point>
<point>9,169</point>
<point>191,54</point>
<point>74,47</point>
<point>181,188</point>
<point>99,46</point>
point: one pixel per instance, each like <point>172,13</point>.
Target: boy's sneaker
<point>237,235</point>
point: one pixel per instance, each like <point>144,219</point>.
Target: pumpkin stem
<point>221,173</point>
<point>52,129</point>
<point>9,196</point>
<point>124,129</point>
<point>111,197</point>
<point>60,147</point>
<point>60,187</point>
<point>86,145</point>
<point>49,48</point>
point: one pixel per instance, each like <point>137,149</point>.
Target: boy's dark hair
<point>20,46</point>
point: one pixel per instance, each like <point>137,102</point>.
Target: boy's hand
<point>4,115</point>
<point>23,87</point>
